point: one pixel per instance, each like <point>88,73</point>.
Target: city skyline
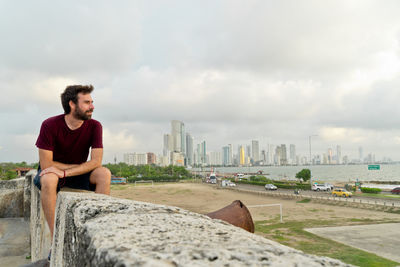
<point>281,72</point>
<point>180,151</point>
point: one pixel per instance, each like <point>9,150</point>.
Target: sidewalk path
<point>14,242</point>
<point>380,239</point>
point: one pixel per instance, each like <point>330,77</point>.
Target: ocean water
<point>341,173</point>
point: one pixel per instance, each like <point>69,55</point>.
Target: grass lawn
<point>292,234</point>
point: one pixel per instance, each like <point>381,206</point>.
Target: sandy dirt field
<point>203,198</point>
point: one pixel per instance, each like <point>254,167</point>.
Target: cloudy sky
<point>232,71</point>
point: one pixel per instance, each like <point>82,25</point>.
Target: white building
<point>215,158</point>
<point>255,151</point>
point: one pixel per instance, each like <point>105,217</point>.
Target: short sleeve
<point>97,139</point>
<point>46,138</point>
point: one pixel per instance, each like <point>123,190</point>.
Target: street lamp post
<point>309,142</point>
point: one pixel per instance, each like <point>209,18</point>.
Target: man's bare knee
<point>49,181</point>
<point>101,175</point>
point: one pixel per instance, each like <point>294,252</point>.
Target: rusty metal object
<point>237,214</point>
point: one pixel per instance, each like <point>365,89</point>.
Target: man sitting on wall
<point>64,143</point>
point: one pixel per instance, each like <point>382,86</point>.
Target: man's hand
<point>54,170</point>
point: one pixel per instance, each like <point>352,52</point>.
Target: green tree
<point>304,174</point>
<point>10,174</point>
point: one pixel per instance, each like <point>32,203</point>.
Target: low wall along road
<point>98,230</point>
<point>365,203</point>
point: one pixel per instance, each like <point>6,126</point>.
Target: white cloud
<point>48,90</point>
<point>276,71</point>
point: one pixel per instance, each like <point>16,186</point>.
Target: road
<point>310,193</point>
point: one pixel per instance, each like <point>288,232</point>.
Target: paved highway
<point>369,200</point>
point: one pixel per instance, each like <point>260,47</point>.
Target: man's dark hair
<point>71,93</point>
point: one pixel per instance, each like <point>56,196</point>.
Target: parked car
<point>270,187</point>
<point>341,193</point>
<point>395,190</point>
<point>320,187</point>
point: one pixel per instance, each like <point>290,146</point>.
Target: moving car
<point>341,193</point>
<point>329,185</point>
<point>270,187</point>
<point>320,187</point>
<point>395,190</point>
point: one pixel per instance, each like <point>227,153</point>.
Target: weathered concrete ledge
<point>12,198</point>
<point>12,184</point>
<point>11,203</point>
<point>97,230</point>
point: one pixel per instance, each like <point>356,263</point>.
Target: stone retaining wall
<point>98,230</point>
<point>12,198</point>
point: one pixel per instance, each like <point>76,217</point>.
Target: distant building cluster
<point>179,149</point>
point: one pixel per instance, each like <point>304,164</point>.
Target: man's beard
<point>82,115</point>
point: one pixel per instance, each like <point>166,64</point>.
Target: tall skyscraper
<point>255,151</point>
<point>203,152</point>
<point>270,154</point>
<point>292,149</point>
<point>215,158</point>
<point>189,150</point>
<point>330,156</point>
<point>284,160</point>
<point>178,136</point>
<point>230,159</point>
<point>339,154</point>
<point>278,156</point>
<point>168,145</point>
<point>241,156</point>
<point>225,155</point>
<point>263,156</point>
<point>360,154</point>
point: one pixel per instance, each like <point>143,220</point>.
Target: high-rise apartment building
<point>168,145</point>
<point>177,159</point>
<point>241,156</point>
<point>151,158</point>
<point>330,156</point>
<point>278,156</point>
<point>203,152</point>
<point>339,154</point>
<point>189,150</point>
<point>292,149</point>
<point>128,158</point>
<point>284,160</point>
<point>135,158</point>
<point>178,136</point>
<point>230,158</point>
<point>215,158</point>
<point>255,151</point>
<point>263,156</point>
<point>225,155</point>
<point>270,155</point>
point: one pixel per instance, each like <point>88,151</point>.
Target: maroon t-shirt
<point>69,146</point>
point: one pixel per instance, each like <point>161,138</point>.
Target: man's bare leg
<point>101,177</point>
<point>48,197</point>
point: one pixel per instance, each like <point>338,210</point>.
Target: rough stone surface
<point>40,232</point>
<point>12,203</point>
<point>97,230</point>
<point>12,184</point>
<point>27,193</point>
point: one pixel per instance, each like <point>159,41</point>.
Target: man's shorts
<point>78,182</point>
